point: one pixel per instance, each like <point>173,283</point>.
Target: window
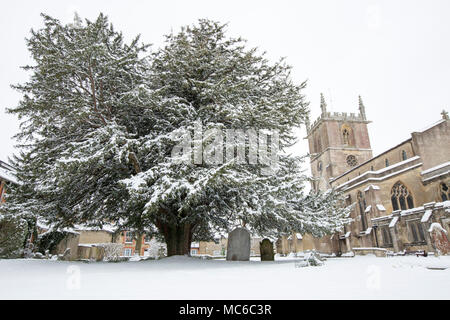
<point>194,252</point>
<point>386,162</point>
<point>387,239</point>
<point>401,198</point>
<point>362,209</point>
<point>445,192</point>
<point>127,252</point>
<point>147,238</point>
<point>351,160</point>
<point>417,234</point>
<point>319,166</point>
<point>129,236</point>
<point>404,155</point>
<point>347,135</point>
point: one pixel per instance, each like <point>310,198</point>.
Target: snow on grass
<point>365,277</point>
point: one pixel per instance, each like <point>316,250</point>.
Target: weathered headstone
<point>65,256</point>
<point>238,248</point>
<point>439,238</point>
<point>266,249</point>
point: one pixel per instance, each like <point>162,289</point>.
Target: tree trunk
<point>178,238</point>
<point>138,244</point>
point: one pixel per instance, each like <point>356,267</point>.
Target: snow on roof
<point>437,176</point>
<point>411,211</point>
<point>426,216</point>
<point>381,207</point>
<point>398,164</point>
<point>393,222</point>
<point>369,230</point>
<point>382,218</point>
<point>106,227</point>
<point>7,175</point>
<point>195,245</point>
<point>368,209</point>
<point>432,125</point>
<point>381,171</point>
<point>442,165</point>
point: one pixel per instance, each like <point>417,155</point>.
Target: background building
<point>6,177</point>
<point>396,195</point>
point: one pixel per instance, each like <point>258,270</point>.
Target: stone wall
<point>87,237</point>
<point>432,144</point>
<point>400,225</point>
<point>70,241</point>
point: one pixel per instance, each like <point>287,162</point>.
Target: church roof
<point>7,172</point>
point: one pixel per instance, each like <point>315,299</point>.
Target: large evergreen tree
<point>101,122</point>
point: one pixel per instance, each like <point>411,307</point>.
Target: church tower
<point>338,142</point>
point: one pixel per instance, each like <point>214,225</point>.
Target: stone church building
<point>395,195</point>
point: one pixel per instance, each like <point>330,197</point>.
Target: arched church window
<point>347,134</point>
<point>351,160</point>
<point>445,192</point>
<point>404,155</point>
<point>319,166</point>
<point>401,198</point>
<point>386,162</point>
<point>362,209</point>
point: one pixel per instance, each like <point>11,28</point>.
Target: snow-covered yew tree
<point>101,122</point>
<point>83,111</point>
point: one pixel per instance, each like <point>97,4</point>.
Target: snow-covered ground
<point>190,278</point>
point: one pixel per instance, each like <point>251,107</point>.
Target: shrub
<point>13,232</point>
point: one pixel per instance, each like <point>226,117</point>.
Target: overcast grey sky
<point>396,54</point>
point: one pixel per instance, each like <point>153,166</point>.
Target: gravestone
<point>238,248</point>
<point>65,256</point>
<point>439,238</point>
<point>266,249</point>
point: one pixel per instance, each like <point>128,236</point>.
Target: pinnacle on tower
<point>323,104</point>
<point>362,109</point>
<point>444,115</point>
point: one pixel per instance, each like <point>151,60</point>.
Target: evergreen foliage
<point>100,119</point>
